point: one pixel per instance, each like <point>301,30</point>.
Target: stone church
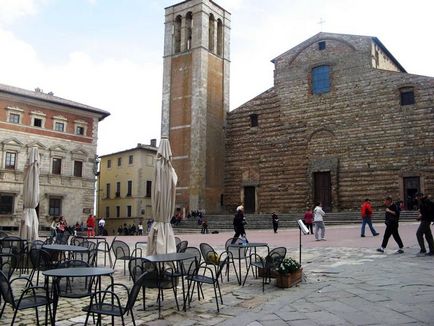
<point>344,121</point>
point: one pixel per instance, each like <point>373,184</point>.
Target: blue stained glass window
<point>321,79</point>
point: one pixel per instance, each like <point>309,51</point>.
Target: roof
<point>138,147</point>
<point>323,34</point>
<point>49,98</point>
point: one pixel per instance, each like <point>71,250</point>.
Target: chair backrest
<point>177,240</point>
<point>120,249</point>
<point>190,265</point>
<point>275,256</point>
<point>6,290</point>
<point>13,245</point>
<point>180,247</point>
<point>237,253</point>
<point>136,268</point>
<point>3,234</point>
<point>209,255</point>
<point>8,263</point>
<point>40,259</point>
<point>36,244</point>
<point>73,263</point>
<point>77,241</point>
<point>222,264</point>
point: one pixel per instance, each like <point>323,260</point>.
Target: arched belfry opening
<point>188,30</point>
<point>219,37</point>
<point>211,33</point>
<point>177,34</point>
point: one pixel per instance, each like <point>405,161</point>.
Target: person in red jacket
<point>366,211</point>
<point>308,220</point>
<point>91,226</point>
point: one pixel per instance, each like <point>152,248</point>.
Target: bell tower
<point>196,99</point>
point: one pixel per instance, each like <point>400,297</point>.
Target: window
<point>10,160</point>
<point>118,211</point>
<point>79,130</point>
<point>219,37</point>
<point>130,188</point>
<point>321,45</point>
<point>107,190</point>
<point>253,120</point>
<point>128,211</point>
<point>118,189</point>
<point>6,204</point>
<point>57,166</point>
<point>130,159</point>
<point>321,79</point>
<point>148,188</point>
<point>14,118</point>
<point>211,32</point>
<point>188,30</point>
<point>78,169</point>
<point>55,207</point>
<point>109,164</point>
<point>177,34</point>
<point>107,211</point>
<point>119,161</point>
<point>59,126</point>
<point>407,96</point>
<point>37,122</point>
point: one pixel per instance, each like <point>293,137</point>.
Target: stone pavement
<point>346,282</point>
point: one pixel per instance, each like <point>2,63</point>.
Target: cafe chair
<point>121,251</point>
<point>155,279</point>
<point>41,261</point>
<point>3,235</point>
<point>108,303</point>
<point>36,244</point>
<point>30,297</point>
<point>207,275</point>
<point>90,255</point>
<point>104,247</point>
<point>8,264</point>
<point>267,264</point>
<point>212,258</point>
<point>17,247</point>
<point>177,240</point>
<point>180,247</point>
<point>74,287</point>
<point>77,241</point>
<point>236,254</point>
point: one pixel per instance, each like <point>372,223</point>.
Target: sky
<point>108,53</point>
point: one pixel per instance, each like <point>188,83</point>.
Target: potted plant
<point>290,273</point>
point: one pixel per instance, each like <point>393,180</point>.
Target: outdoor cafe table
<point>245,246</point>
<point>174,257</point>
<point>65,248</point>
<point>58,273</point>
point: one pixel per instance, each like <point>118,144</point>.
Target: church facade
<point>343,122</point>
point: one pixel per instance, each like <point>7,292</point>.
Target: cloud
<point>10,10</point>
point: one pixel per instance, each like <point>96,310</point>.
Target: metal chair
<point>121,251</point>
<point>70,287</point>
<point>206,275</point>
<point>107,302</point>
<point>267,264</point>
<point>180,247</point>
<point>31,297</point>
<point>212,258</point>
<point>41,261</point>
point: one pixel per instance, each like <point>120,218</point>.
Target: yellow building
<point>125,186</point>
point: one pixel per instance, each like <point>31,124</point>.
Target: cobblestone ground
<point>342,285</point>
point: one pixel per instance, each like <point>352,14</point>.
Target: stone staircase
<point>263,221</point>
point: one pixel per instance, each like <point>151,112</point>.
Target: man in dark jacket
<point>426,212</point>
<point>392,224</point>
<point>239,222</point>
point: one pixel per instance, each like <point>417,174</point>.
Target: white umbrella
<point>161,239</point>
<point>29,221</point>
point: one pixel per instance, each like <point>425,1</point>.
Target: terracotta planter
<point>289,280</point>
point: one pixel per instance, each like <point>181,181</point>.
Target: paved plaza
<point>346,282</point>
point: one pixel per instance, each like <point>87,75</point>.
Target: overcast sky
<point>108,53</point>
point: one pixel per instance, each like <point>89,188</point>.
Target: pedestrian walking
<point>318,219</point>
<point>239,222</point>
<point>101,226</point>
<point>391,219</point>
<point>90,223</point>
<point>275,221</point>
<point>140,228</point>
<point>366,211</point>
<point>308,220</point>
<point>204,226</point>
<point>426,216</point>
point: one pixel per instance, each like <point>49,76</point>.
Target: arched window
<point>188,30</point>
<point>177,34</point>
<point>321,79</point>
<point>219,37</point>
<point>211,33</point>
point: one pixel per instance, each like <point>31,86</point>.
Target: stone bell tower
<point>196,99</point>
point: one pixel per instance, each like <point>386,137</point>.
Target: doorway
<point>411,188</point>
<point>249,199</point>
<point>323,190</point>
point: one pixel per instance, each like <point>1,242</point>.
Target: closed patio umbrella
<point>161,239</point>
<point>29,222</point>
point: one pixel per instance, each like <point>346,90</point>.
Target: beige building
<point>125,186</point>
<point>66,133</point>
